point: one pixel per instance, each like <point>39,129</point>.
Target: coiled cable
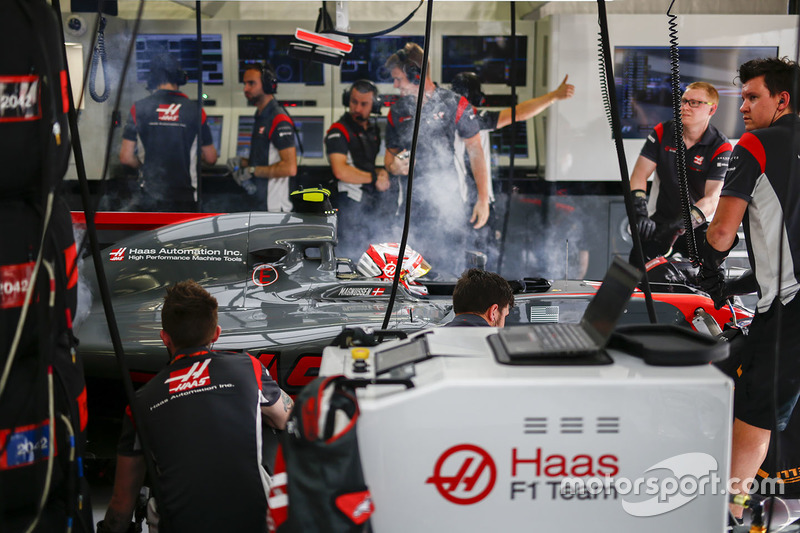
<point>99,59</point>
<point>680,154</point>
<point>601,68</point>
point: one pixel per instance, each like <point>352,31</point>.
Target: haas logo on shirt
<point>191,378</point>
<point>169,112</point>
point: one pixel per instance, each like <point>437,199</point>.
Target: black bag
<point>326,485</point>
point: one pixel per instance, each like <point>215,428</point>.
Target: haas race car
<point>284,295</point>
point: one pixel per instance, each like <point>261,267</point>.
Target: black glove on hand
<point>644,224</point>
<point>712,278</point>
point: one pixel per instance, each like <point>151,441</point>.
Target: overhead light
<point>335,42</point>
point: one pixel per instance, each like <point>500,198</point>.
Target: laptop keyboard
<point>563,338</point>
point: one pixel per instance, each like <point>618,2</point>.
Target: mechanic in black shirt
<point>273,152</point>
<point>760,190</point>
<point>167,124</point>
<point>203,416</point>
<point>707,153</point>
<point>468,85</point>
<point>481,298</point>
<point>439,219</point>
<point>352,144</point>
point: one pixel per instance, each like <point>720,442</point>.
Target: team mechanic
<point>439,224</point>
<point>707,153</point>
<point>481,298</point>
<point>468,85</point>
<point>759,189</point>
<point>352,144</point>
<point>273,152</point>
<point>167,123</point>
<point>202,414</point>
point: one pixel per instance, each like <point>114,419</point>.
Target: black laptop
<point>587,337</point>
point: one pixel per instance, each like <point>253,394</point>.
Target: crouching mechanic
<point>707,153</point>
<point>760,192</point>
<point>481,298</point>
<point>202,416</point>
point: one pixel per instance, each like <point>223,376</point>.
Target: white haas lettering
<point>195,376</point>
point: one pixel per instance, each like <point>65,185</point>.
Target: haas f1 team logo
<point>169,112</point>
<point>195,376</point>
<point>118,254</point>
<point>464,474</point>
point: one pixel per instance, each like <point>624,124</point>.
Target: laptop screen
<point>609,302</point>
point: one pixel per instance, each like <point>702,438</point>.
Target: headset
<point>412,71</point>
<point>269,81</point>
<point>468,85</point>
<point>165,68</point>
<point>364,86</point>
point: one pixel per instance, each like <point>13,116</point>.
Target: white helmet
<point>380,261</point>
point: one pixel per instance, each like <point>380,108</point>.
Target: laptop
<point>585,338</point>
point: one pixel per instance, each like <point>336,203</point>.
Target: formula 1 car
<point>284,295</point>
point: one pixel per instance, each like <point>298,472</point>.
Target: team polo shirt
<point>443,115</point>
<point>203,419</point>
<point>348,137</point>
<point>760,173</point>
<point>467,189</point>
<point>167,123</point>
<point>706,160</point>
<point>273,131</point>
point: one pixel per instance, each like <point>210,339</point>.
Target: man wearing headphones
<point>352,143</point>
<point>760,192</point>
<point>468,85</point>
<point>439,225</point>
<point>167,124</point>
<point>707,152</point>
<point>273,152</point>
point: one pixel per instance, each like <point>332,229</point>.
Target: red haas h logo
<point>464,474</point>
<point>193,377</point>
<point>169,112</point>
<point>117,255</point>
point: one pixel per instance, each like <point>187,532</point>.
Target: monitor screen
<point>488,57</point>
<point>274,49</point>
<point>243,133</point>
<point>184,48</point>
<point>311,131</point>
<point>501,140</point>
<point>215,125</point>
<point>644,86</point>
<point>369,55</point>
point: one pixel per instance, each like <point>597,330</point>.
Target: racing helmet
<point>380,261</point>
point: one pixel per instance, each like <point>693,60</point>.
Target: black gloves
<point>644,224</point>
<point>712,279</point>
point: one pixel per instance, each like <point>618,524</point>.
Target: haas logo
<point>169,112</point>
<point>195,376</point>
<point>117,254</point>
<point>464,474</point>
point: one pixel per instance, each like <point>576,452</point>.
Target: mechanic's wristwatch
<point>252,171</point>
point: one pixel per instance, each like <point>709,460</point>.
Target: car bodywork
<point>284,295</point>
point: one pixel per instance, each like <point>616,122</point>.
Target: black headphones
<point>269,81</point>
<point>364,86</point>
<point>165,68</point>
<point>412,71</point>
